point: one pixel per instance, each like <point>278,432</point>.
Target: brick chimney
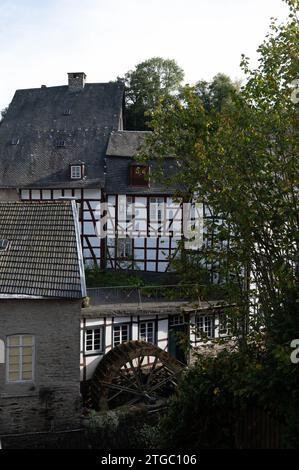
<point>76,81</point>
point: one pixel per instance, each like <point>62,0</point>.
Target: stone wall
<point>52,401</point>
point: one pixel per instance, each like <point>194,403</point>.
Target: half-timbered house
<point>68,142</point>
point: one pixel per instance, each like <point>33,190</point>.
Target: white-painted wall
<point>88,362</point>
<point>90,207</point>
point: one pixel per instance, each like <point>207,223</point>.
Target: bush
<point>216,390</point>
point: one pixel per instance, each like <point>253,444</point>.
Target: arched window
<point>20,358</point>
<point>2,352</point>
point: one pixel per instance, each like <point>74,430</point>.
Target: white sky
<point>42,40</point>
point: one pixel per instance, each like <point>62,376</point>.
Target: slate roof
<point>118,178</point>
<point>36,117</point>
<point>126,143</point>
<point>43,257</point>
<point>122,148</point>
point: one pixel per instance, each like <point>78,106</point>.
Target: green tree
<point>242,160</point>
<point>217,93</point>
<point>146,85</point>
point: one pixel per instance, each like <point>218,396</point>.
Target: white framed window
<point>176,320</point>
<point>147,331</point>
<point>121,333</point>
<point>20,353</point>
<point>156,209</point>
<point>76,172</point>
<point>125,211</point>
<point>94,340</point>
<point>129,209</point>
<point>205,325</point>
<point>124,248</point>
<point>225,326</point>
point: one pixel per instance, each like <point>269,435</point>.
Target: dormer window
<point>67,112</point>
<point>77,171</point>
<point>139,175</point>
<point>60,143</point>
<point>15,141</point>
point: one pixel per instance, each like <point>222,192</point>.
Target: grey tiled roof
<point>126,143</point>
<point>122,148</point>
<point>36,117</point>
<point>118,177</point>
<point>43,257</point>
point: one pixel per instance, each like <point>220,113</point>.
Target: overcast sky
<point>42,40</point>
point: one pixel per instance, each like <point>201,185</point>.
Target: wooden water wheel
<point>134,372</point>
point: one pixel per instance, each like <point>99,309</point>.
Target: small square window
<point>205,326</point>
<point>94,340</point>
<point>67,112</point>
<point>147,331</point>
<point>76,172</point>
<point>15,141</point>
<point>121,334</point>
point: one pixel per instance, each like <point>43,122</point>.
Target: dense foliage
<point>215,392</point>
<point>150,81</point>
<point>241,159</point>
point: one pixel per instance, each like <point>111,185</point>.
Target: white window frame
<point>225,326</point>
<point>144,335</point>
<point>92,339</point>
<point>205,324</point>
<point>21,346</point>
<point>120,327</point>
<point>76,172</point>
<point>156,209</point>
<point>129,209</point>
<point>176,320</point>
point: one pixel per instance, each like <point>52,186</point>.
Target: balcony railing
<point>144,294</point>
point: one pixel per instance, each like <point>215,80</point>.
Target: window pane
<point>13,376</point>
<point>27,375</point>
<point>13,340</point>
<point>27,340</point>
<point>27,351</point>
<point>76,171</point>
<point>27,360</point>
<point>14,352</point>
